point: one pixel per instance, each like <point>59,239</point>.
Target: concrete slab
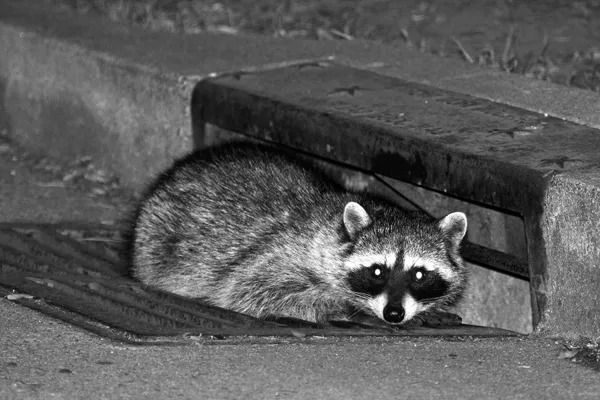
<point>43,358</point>
<point>129,89</point>
<point>570,225</point>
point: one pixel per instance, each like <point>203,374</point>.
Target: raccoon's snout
<point>393,314</point>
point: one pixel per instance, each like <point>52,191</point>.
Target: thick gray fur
<point>248,228</point>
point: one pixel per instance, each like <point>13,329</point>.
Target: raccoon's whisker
<point>432,299</point>
<point>415,262</point>
<point>363,296</point>
<point>357,312</point>
<point>361,308</point>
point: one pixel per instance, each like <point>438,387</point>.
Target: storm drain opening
<point>77,272</point>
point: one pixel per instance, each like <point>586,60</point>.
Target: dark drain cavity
<point>76,272</point>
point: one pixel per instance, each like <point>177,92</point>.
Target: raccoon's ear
<point>454,226</point>
<point>355,219</point>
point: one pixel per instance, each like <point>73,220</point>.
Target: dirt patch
<point>553,40</point>
<point>79,173</point>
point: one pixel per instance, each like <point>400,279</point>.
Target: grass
<point>491,34</point>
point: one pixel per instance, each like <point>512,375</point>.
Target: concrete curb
<point>74,85</point>
<point>121,94</point>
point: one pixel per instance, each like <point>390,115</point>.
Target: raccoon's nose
<point>393,314</point>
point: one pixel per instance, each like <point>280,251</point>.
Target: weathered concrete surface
<point>66,100</point>
<point>128,89</point>
<point>44,358</point>
<point>571,228</point>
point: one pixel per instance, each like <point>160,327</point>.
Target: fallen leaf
<point>18,296</point>
<point>567,354</point>
<point>298,334</point>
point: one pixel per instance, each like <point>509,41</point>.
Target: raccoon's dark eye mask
<point>426,284</point>
<point>370,280</point>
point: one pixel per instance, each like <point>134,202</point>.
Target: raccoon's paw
<point>439,318</point>
<point>415,322</point>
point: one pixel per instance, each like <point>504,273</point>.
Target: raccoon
<point>249,228</point>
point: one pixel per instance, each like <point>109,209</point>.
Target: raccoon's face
<point>399,269</point>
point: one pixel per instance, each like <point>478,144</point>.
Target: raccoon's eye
<point>420,275</point>
<point>369,279</point>
<point>378,271</point>
<point>427,285</point>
